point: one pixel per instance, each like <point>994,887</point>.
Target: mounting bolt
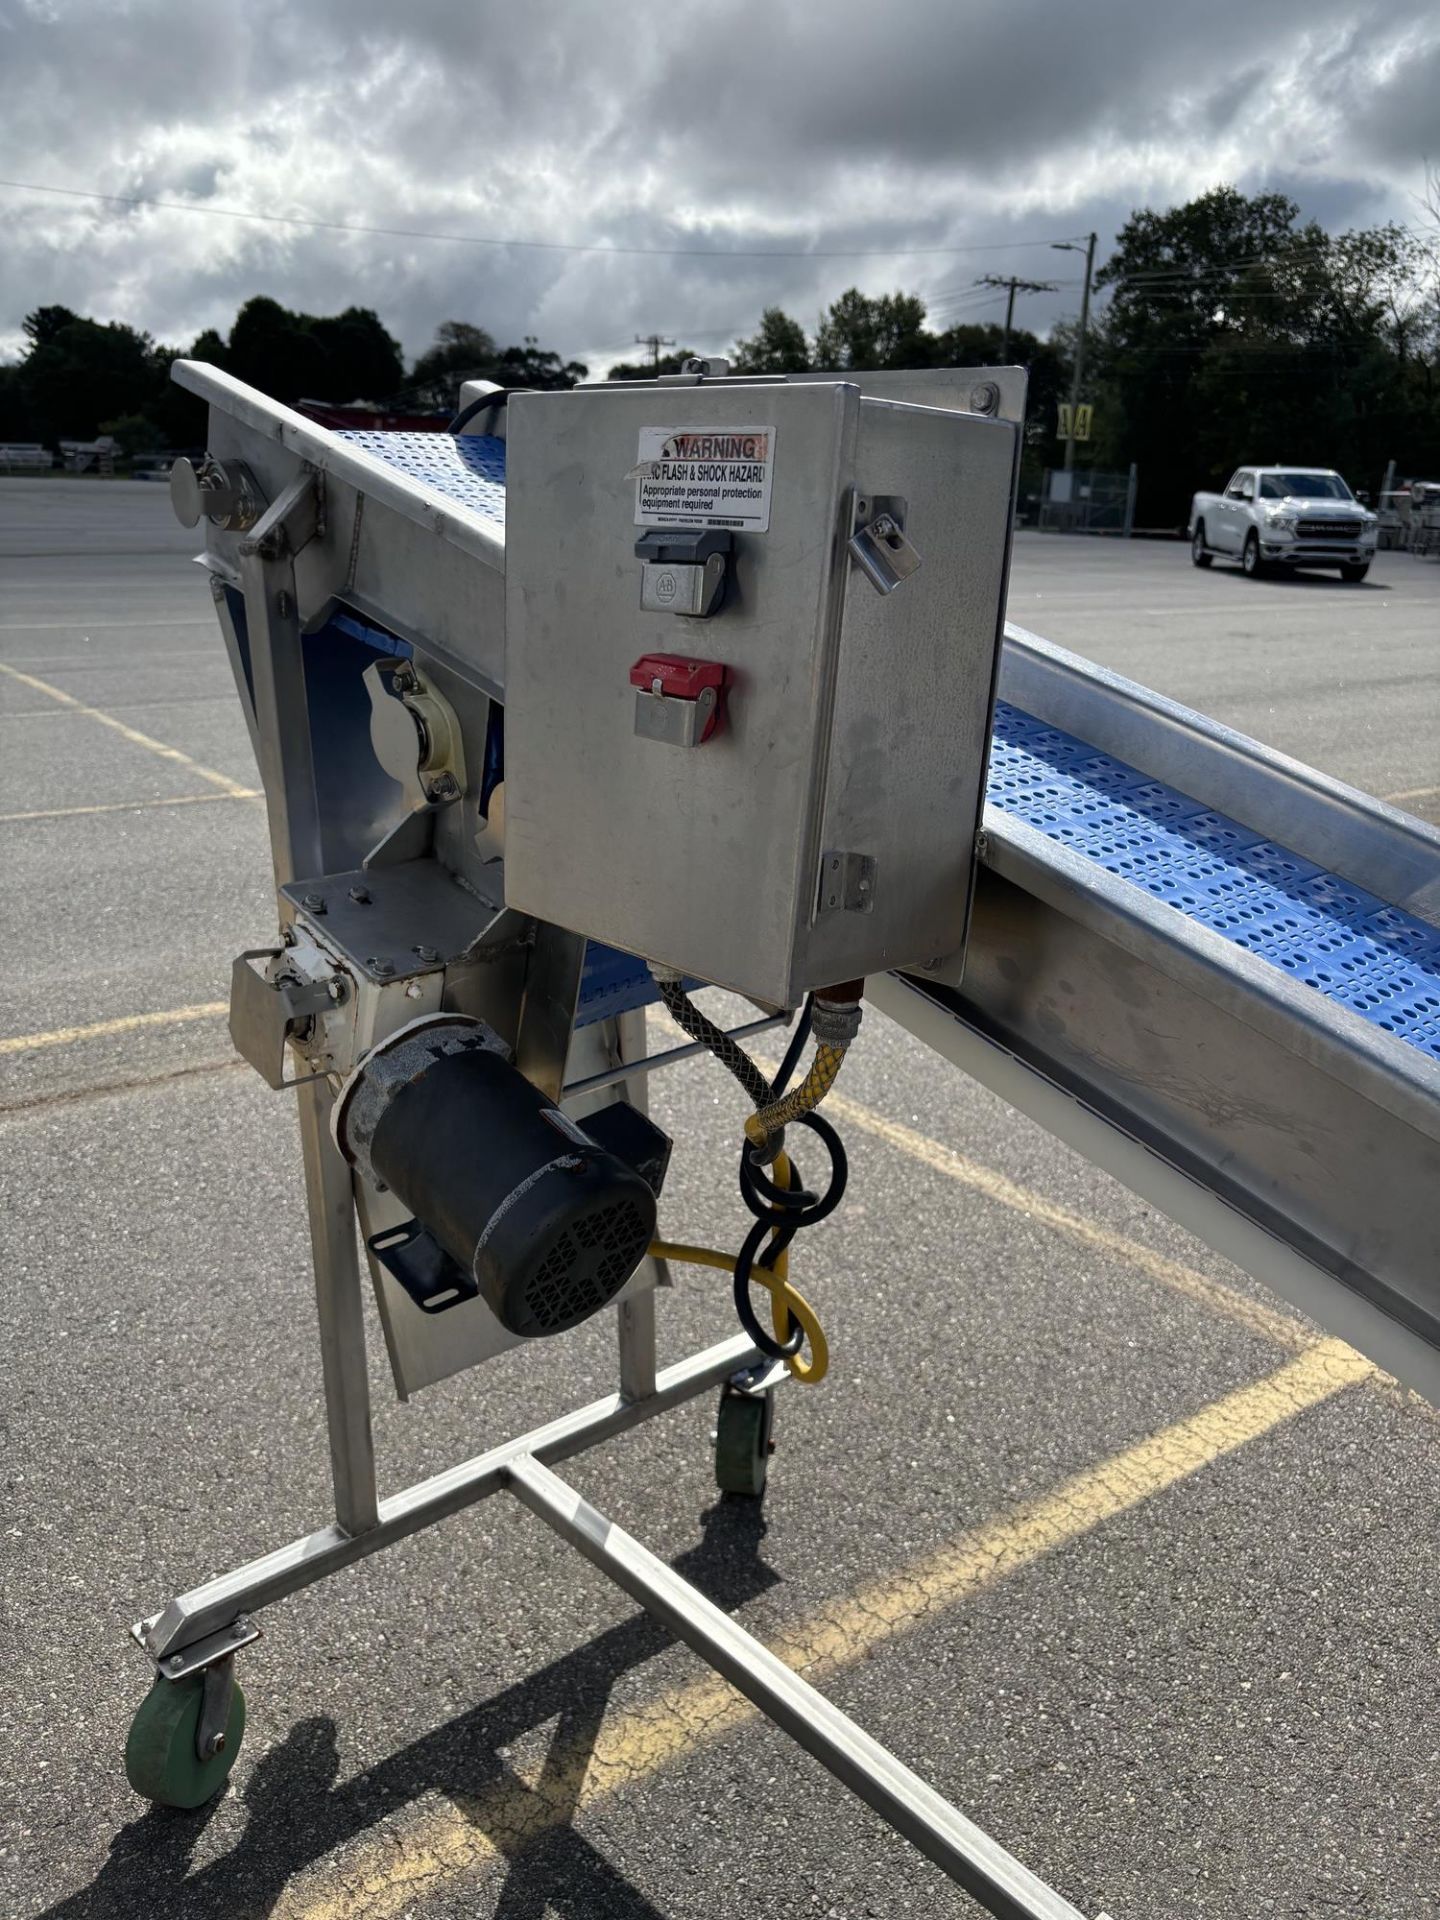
<point>360,895</point>
<point>426,953</point>
<point>382,969</point>
<point>336,991</point>
<point>217,1744</point>
<point>174,1663</point>
<point>445,787</point>
<point>314,903</point>
<point>984,397</point>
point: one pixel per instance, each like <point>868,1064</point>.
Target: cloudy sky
<point>684,165</point>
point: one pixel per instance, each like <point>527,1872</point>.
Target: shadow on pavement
<point>1290,577</point>
<point>299,1811</point>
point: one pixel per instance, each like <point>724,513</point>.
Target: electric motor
<point>512,1200</point>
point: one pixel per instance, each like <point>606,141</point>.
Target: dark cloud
<point>771,125</point>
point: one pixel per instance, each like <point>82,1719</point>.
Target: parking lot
<point>1093,1532</point>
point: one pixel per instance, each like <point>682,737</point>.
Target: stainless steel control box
<point>751,638</point>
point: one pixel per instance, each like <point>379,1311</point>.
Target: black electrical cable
<point>467,413</point>
<point>782,1213</point>
<point>688,1017</point>
<point>794,1050</point>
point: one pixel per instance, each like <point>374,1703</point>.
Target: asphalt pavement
<point>1080,1525</point>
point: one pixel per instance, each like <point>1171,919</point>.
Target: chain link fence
<point>1087,501</point>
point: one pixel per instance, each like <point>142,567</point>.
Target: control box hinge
<point>847,883</point>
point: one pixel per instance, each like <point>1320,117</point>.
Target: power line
<point>545,246</point>
<point>1198,276</point>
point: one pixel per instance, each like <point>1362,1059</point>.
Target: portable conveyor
<point>611,694</point>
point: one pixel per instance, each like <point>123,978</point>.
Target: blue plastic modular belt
<point>466,467</point>
<point>1349,945</point>
<point>611,984</point>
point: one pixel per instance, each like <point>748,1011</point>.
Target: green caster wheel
<point>161,1761</point>
<point>742,1441</point>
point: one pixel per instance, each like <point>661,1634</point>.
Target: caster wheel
<point>161,1763</point>
<point>742,1442</point>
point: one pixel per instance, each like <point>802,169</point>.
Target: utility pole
<point>655,342</point>
<point>1015,286</point>
<point>1072,246</point>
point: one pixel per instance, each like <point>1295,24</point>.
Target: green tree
<point>861,330</point>
<point>274,350</point>
<point>1236,333</point>
<point>134,433</point>
<point>43,325</point>
<point>79,372</point>
<point>531,365</point>
<point>17,421</point>
<point>461,351</point>
<point>777,346</point>
<point>362,361</point>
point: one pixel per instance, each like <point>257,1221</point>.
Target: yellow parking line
<point>409,1862</point>
<point>102,1029</point>
<point>223,780</point>
<point>1282,1328</point>
<point>133,806</point>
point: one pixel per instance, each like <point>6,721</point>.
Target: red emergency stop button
<point>695,687</point>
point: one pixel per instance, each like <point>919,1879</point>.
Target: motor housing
<point>512,1199</point>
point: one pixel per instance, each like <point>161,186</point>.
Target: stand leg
<point>637,1314</point>
<point>957,1846</point>
<point>338,1304</point>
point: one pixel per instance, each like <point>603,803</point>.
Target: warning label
<point>686,477</point>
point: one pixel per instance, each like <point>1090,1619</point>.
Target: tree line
<point>1226,331</point>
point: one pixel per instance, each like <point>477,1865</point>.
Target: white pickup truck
<point>1284,516</point>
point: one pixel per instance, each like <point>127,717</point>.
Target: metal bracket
<point>415,733</point>
<point>200,1654</point>
<point>847,883</point>
<point>218,1691</point>
<point>754,1382</point>
<point>879,545</point>
<point>292,522</point>
<point>265,1011</point>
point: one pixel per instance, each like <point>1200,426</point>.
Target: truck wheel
<point>1197,546</point>
<point>1354,570</point>
<point>1250,559</point>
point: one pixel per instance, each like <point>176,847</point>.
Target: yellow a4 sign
<point>1083,416</point>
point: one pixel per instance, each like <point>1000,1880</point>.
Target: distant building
<point>361,415</point>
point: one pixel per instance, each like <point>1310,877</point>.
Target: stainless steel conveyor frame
<point>1288,1130</point>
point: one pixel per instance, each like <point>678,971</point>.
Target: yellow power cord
<point>784,1300</point>
<point>762,1126</point>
